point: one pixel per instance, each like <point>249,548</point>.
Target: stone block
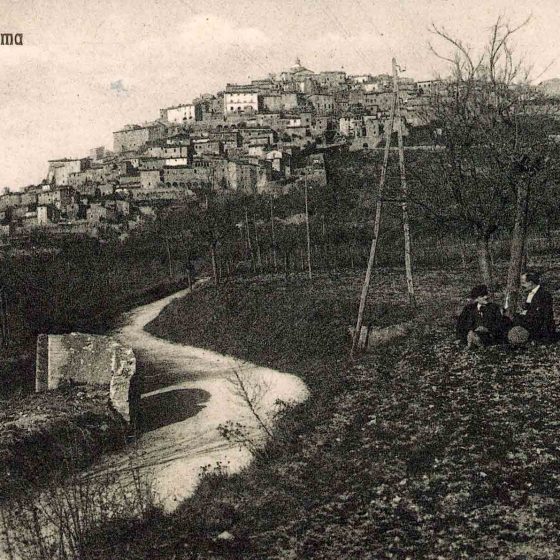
<point>92,360</point>
<point>80,358</point>
<point>123,389</point>
<point>371,336</point>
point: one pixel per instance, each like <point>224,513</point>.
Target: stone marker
<point>78,358</point>
<point>122,392</point>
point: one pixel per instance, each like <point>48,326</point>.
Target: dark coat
<point>539,319</point>
<point>489,316</point>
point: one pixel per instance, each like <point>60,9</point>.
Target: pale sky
<point>88,67</point>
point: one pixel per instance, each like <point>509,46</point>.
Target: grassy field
<point>420,449</point>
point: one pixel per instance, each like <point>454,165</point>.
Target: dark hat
<point>479,291</point>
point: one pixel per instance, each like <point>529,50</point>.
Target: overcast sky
<point>89,67</point>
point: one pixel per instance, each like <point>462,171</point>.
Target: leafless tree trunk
<point>273,236</point>
<point>249,246</point>
<point>168,252</point>
<point>484,263</point>
<point>4,332</point>
<point>259,256</point>
<point>214,264</point>
<point>308,235</point>
<point>463,255</point>
<point>517,247</point>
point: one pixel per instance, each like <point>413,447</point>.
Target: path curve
<point>174,452</point>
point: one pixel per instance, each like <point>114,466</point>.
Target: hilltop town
<point>263,137</point>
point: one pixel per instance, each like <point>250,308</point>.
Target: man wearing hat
<point>481,322</point>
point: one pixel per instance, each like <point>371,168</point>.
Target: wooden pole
<point>259,257</point>
<point>169,263</point>
<point>214,263</point>
<point>307,232</point>
<point>404,190</point>
<point>273,236</point>
<point>3,320</point>
<point>249,246</point>
<point>5,315</point>
<point>376,224</point>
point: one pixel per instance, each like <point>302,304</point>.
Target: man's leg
<point>474,340</point>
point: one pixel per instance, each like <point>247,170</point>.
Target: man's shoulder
<point>469,307</point>
<point>543,294</point>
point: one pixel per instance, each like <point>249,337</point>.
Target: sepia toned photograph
<point>279,280</point>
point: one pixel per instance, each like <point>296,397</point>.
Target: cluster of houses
<point>262,137</point>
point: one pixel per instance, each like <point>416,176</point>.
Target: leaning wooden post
<point>404,190</point>
<point>376,224</point>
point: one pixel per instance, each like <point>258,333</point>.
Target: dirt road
<point>180,421</point>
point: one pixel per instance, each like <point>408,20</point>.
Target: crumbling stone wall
<point>89,359</point>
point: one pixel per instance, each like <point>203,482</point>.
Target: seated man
<point>536,316</point>
<point>481,322</point>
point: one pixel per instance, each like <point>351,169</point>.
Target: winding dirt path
<point>181,420</point>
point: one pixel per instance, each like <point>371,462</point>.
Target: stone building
<point>60,169</point>
<point>133,137</point>
<point>207,146</point>
<point>331,80</point>
<point>182,114</point>
<point>323,103</point>
<point>241,99</point>
<point>58,197</point>
<point>47,215</point>
<point>183,176</point>
<point>274,102</point>
<point>150,179</point>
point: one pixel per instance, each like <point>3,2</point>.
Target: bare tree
<point>491,129</point>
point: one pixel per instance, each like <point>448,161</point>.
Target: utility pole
<point>404,190</point>
<point>307,231</point>
<point>376,224</point>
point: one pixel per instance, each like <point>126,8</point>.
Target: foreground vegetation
<point>46,435</point>
<point>418,450</point>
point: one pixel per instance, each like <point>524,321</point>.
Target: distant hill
<point>550,87</point>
